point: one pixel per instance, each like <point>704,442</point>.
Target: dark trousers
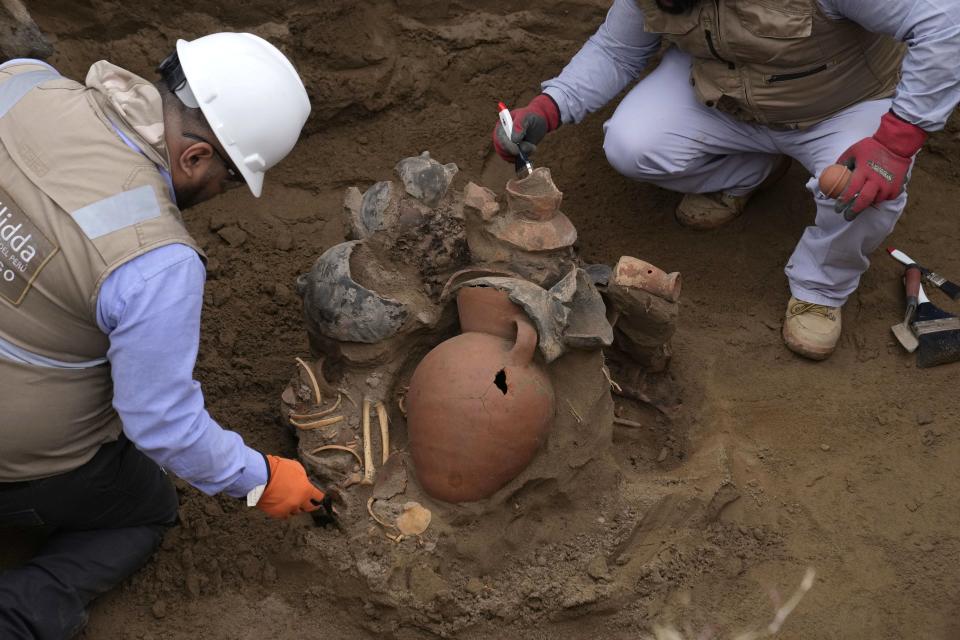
<point>105,520</point>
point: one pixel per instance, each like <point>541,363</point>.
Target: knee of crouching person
<point>636,152</point>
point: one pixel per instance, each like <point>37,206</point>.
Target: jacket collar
<point>132,104</point>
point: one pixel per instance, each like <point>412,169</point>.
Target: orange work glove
<point>288,491</point>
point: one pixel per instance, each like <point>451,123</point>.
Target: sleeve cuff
<point>254,495</point>
<point>253,475</point>
<point>557,96</point>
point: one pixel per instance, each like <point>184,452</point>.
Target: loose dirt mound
<point>847,465</point>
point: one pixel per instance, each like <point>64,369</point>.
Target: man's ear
<point>194,159</point>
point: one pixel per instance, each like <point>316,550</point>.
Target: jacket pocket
<point>785,20</point>
<point>656,20</point>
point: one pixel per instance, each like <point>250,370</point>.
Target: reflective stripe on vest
<point>125,209</point>
<point>15,87</point>
<point>104,216</point>
<point>10,351</point>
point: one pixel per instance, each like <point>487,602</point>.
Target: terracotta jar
<point>487,310</point>
<point>534,197</point>
<point>533,221</point>
<point>478,408</point>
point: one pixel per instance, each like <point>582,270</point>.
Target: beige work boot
<point>811,330</point>
<point>711,210</point>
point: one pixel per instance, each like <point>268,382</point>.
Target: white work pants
<point>661,134</point>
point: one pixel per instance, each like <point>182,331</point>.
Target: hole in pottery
<point>501,381</point>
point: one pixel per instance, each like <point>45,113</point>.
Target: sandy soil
<point>847,466</point>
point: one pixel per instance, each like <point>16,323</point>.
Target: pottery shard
<point>652,358</point>
<point>481,199</point>
<point>426,179</point>
<point>341,309</point>
<point>370,211</point>
<point>373,208</point>
<point>638,274</point>
<point>644,317</point>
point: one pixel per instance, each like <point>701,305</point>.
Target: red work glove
<point>879,164</point>
<point>288,491</point>
<point>530,124</point>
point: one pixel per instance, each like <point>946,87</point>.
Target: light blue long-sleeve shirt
<point>150,309</point>
<point>928,92</point>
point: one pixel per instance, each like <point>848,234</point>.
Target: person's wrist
<point>253,496</point>
<point>899,136</point>
<point>547,107</point>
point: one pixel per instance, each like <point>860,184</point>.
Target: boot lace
<point>800,308</point>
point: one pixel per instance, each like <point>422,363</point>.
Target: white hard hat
<point>251,96</point>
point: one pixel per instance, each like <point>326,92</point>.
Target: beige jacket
<point>778,62</point>
<point>77,202</point>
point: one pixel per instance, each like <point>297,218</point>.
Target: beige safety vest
<point>780,63</point>
<point>76,202</point>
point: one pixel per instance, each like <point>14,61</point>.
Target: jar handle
<point>522,353</point>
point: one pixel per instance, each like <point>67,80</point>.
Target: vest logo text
<point>24,251</point>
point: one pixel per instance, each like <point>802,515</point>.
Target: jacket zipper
<point>713,50</point>
<point>781,77</point>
